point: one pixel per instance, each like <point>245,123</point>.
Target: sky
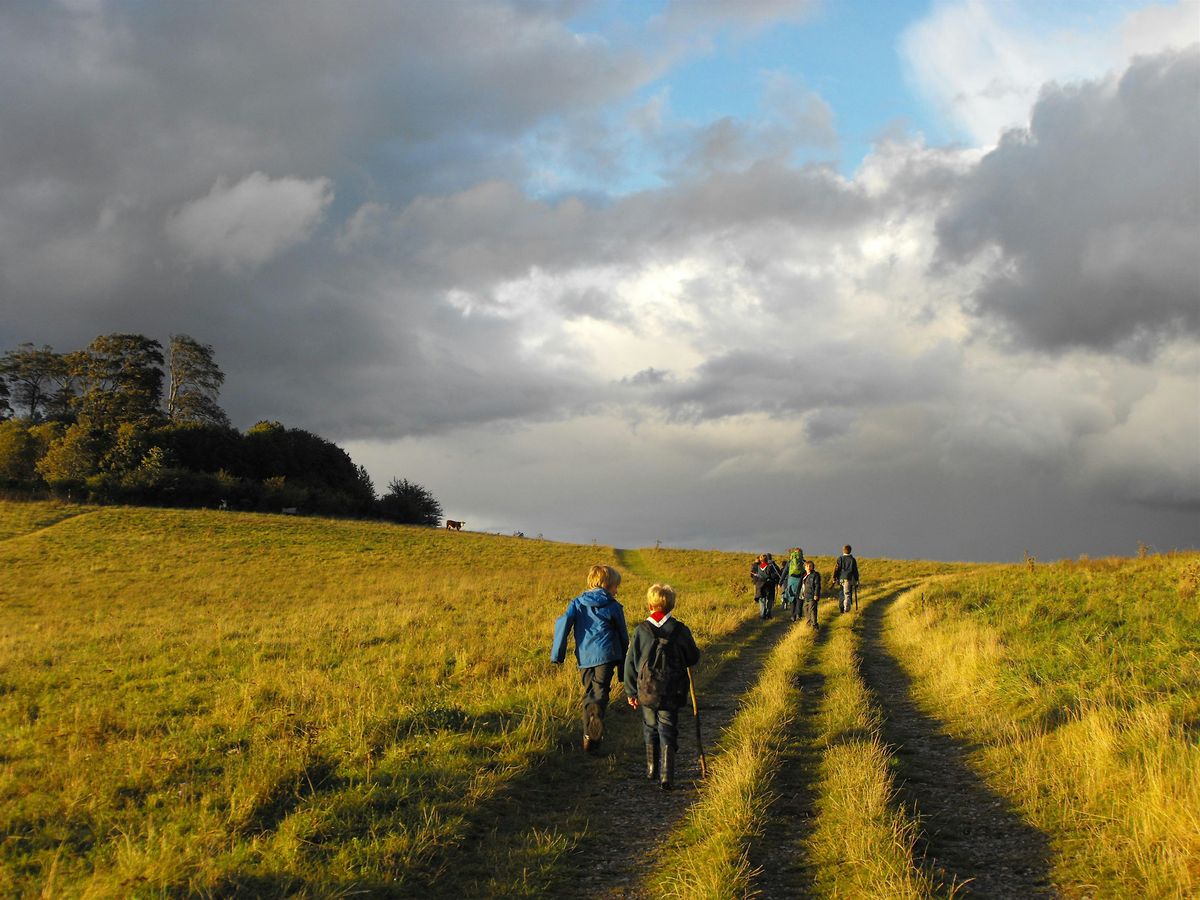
<point>922,277</point>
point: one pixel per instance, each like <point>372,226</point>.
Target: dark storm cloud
<point>168,168</point>
<point>592,303</point>
<point>647,377</point>
<point>784,384</point>
<point>1094,212</point>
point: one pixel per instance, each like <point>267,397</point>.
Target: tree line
<point>125,420</point>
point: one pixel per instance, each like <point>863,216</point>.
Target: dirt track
<point>610,819</point>
<point>969,836</point>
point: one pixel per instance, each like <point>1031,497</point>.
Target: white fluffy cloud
<point>983,63</point>
<point>242,225</point>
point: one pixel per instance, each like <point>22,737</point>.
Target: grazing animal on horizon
<point>453,525</point>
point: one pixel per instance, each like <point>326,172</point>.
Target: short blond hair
<point>660,598</point>
<point>603,577</point>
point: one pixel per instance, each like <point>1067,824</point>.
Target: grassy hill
<point>210,703</point>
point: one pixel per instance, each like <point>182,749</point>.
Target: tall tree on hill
<point>32,375</point>
<point>120,379</point>
<point>194,383</point>
<point>5,409</point>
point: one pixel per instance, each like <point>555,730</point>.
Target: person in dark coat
<point>765,575</point>
<point>845,573</point>
<point>660,722</point>
<point>597,621</point>
<point>809,594</point>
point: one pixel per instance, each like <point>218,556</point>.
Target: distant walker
<point>453,525</point>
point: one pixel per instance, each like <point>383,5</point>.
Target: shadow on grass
<point>969,835</point>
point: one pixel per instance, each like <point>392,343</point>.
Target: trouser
<point>597,681</point>
<point>660,723</point>
<point>766,600</point>
<point>810,611</point>
<point>847,594</point>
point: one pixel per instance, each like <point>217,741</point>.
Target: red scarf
<point>658,615</point>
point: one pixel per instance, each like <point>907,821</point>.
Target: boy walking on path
<point>810,593</point>
<point>845,573</point>
<point>601,641</point>
<point>656,680</point>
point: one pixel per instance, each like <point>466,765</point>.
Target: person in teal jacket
<point>597,621</point>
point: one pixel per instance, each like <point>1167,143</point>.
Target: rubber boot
<point>652,760</point>
<point>593,728</point>
<point>666,775</point>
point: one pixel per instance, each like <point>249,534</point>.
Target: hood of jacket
<point>596,597</point>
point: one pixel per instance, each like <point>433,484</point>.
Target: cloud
<point>711,325</point>
<point>243,225</point>
<point>1091,217</point>
<point>983,63</point>
<point>747,15</point>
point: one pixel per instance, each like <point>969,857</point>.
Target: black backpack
<point>662,678</point>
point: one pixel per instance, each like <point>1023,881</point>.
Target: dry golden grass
<point>215,702</point>
<point>707,859</point>
<point>1081,682</point>
<point>862,845</point>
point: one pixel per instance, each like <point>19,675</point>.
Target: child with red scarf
<point>660,722</point>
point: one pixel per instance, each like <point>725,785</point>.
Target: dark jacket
<point>846,569</point>
<point>643,639</point>
<point>810,586</point>
<point>764,578</point>
<point>598,623</point>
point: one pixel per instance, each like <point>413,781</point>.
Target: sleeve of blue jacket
<point>562,627</point>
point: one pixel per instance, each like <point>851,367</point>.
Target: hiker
<point>601,640</point>
<point>845,573</point>
<point>765,575</point>
<point>656,680</point>
<point>809,593</point>
<point>789,579</point>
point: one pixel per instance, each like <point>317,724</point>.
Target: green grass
<point>23,518</point>
<point>862,842</point>
<point>209,702</point>
<point>215,703</point>
<point>1080,681</point>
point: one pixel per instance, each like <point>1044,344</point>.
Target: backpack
<point>662,677</point>
<point>796,565</point>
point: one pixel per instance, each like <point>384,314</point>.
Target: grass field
<point>209,703</point>
<point>1080,681</point>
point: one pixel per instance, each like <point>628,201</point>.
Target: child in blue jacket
<point>601,640</point>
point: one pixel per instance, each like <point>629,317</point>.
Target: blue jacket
<point>598,621</point>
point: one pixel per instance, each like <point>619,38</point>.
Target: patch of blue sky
<point>847,53</point>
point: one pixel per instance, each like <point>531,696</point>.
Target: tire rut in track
<point>642,813</point>
<point>968,835</point>
<point>777,855</point>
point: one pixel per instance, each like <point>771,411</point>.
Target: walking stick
<point>856,596</point>
<point>696,715</point>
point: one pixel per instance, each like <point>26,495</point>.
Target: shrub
<point>409,504</point>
